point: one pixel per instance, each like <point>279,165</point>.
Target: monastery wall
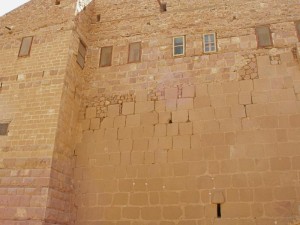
<point>166,139</point>
<point>35,166</point>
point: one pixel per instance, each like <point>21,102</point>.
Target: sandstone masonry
<point>198,139</point>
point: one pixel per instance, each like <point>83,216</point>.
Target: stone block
<point>160,106</point>
<point>128,108</point>
<point>138,199</point>
<point>120,199</point>
<point>246,85</point>
<point>111,134</point>
<point>107,122</point>
<point>144,107</point>
<point>95,123</point>
<point>194,212</point>
<point>222,112</point>
<point>112,213</point>
<point>165,142</point>
<point>90,112</point>
<point>140,145</point>
<point>171,105</point>
<point>150,118</point>
<point>137,157</point>
<point>255,110</point>
<point>215,89</point>
<point>151,213</point>
<point>131,212</point>
<point>85,124</point>
<point>180,116</point>
<point>201,90</point>
<point>133,120</point>
<point>181,142</point>
<point>141,95</point>
<point>160,130</point>
<point>202,101</point>
<point>238,111</point>
<point>245,98</point>
<point>174,156</point>
<point>119,121</point>
<point>207,113</point>
<point>190,196</point>
<point>126,145</point>
<point>229,210</point>
<point>185,103</point>
<point>124,133</point>
<point>281,164</point>
<point>171,93</point>
<point>113,110</point>
<point>231,87</point>
<point>172,129</point>
<point>185,128</point>
<point>188,92</point>
<point>164,117</point>
<point>218,101</point>
<point>172,212</point>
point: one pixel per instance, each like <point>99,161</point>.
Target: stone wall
<point>163,138</point>
<point>32,97</point>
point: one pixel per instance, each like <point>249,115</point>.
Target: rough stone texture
<point>150,142</point>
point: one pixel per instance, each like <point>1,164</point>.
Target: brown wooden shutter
<point>298,28</point>
<point>106,56</point>
<point>3,129</point>
<point>134,52</point>
<point>25,46</point>
<point>81,54</point>
<point>264,38</point>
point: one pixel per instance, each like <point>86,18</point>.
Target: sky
<point>8,5</point>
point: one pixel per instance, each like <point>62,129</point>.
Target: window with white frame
<point>209,43</point>
<point>179,46</point>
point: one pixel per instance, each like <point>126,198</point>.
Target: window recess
<point>209,43</point>
<point>179,46</point>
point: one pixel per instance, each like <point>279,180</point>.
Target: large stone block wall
<point>33,97</point>
<point>164,137</point>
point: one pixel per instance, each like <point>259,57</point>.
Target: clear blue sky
<point>8,5</point>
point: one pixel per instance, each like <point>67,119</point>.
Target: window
<point>298,28</point>
<point>134,52</point>
<point>209,43</point>
<point>3,129</point>
<point>106,56</point>
<point>25,46</point>
<point>263,35</point>
<point>179,46</point>
<point>81,54</point>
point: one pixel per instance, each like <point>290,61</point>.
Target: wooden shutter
<point>134,52</point>
<point>106,56</point>
<point>25,46</point>
<point>3,129</point>
<point>264,38</point>
<point>81,54</point>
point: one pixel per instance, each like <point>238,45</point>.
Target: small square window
<point>134,52</point>
<point>106,56</point>
<point>3,129</point>
<point>81,54</point>
<point>179,46</point>
<point>298,28</point>
<point>263,35</point>
<point>25,46</point>
<point>209,43</point>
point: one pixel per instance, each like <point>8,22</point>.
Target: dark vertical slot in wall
<point>219,212</point>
